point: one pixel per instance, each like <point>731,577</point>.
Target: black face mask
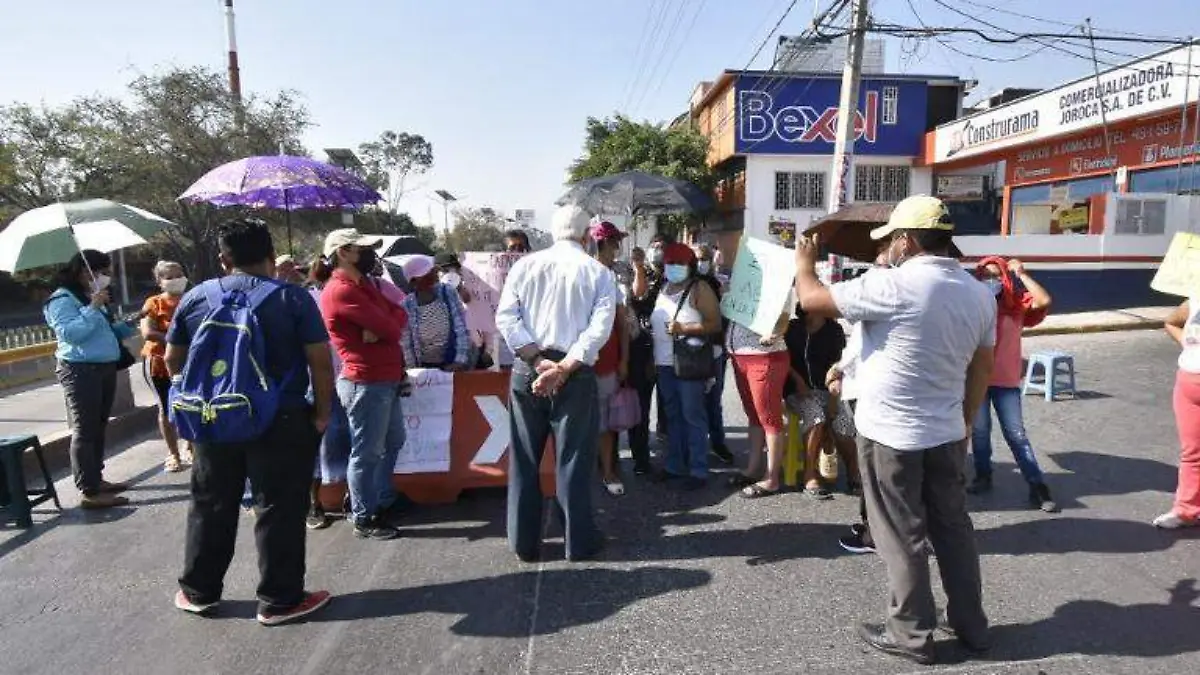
<point>366,261</point>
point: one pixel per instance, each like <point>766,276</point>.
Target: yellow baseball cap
<point>919,212</point>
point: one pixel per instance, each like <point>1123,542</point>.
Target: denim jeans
<point>376,436</point>
<point>716,416</point>
<point>332,463</point>
<point>1007,402</point>
<point>685,407</point>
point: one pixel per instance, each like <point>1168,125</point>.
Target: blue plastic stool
<point>1049,384</point>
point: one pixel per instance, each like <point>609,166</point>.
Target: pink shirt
<point>1007,372</point>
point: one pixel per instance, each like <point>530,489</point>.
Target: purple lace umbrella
<point>281,182</point>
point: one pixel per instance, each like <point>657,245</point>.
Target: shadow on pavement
<point>1089,474</point>
<point>503,606</point>
<point>1077,535</point>
<point>1097,628</point>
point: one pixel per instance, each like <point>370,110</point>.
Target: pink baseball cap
<point>604,230</point>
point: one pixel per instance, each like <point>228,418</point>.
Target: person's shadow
<point>1086,474</point>
<point>1097,628</point>
<point>1077,535</point>
<point>503,606</point>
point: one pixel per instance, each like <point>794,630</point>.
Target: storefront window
<point>1182,180</point>
<point>1056,208</point>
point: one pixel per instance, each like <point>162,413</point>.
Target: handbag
<point>125,359</point>
<point>624,410</point>
<point>693,354</point>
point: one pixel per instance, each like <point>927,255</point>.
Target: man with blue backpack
<point>241,351</point>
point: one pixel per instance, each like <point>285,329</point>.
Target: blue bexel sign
<point>798,116</point>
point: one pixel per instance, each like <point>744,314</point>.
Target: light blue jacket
<point>85,334</point>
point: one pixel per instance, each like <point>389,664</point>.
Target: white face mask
<point>100,282</point>
<point>452,279</point>
<point>175,286</point>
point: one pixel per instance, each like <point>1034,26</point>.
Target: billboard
<point>798,116</point>
<point>1138,89</point>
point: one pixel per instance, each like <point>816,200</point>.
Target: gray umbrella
<point>636,193</point>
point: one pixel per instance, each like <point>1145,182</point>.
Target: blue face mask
<point>994,285</point>
<point>677,274</point>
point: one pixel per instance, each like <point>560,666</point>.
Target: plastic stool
<point>20,506</point>
<point>1049,384</point>
<point>793,458</point>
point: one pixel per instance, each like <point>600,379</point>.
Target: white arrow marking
<point>498,438</point>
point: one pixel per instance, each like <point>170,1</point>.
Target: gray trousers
<point>89,390</point>
<point>912,497</point>
<point>574,418</point>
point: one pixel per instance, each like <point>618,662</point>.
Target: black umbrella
<point>636,193</point>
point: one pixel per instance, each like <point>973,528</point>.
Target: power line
<point>982,57</point>
<point>666,72</point>
<point>1051,22</point>
<point>666,47</point>
<point>637,53</point>
<point>642,58</point>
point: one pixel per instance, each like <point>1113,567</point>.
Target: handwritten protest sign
<point>484,275</point>
<point>1179,273</point>
<point>760,285</point>
<point>427,422</point>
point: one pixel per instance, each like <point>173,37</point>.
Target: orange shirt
<point>159,310</point>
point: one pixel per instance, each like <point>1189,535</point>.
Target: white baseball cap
<point>348,237</point>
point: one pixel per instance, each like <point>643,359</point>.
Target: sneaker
<point>112,488</point>
<point>858,529</point>
<point>856,544</point>
<point>1039,496</point>
<point>316,520</point>
<point>981,485</point>
<point>102,500</point>
<point>1173,521</point>
<point>723,454</point>
<point>375,529</point>
<point>311,603</point>
<point>615,487</point>
<point>878,637</point>
<point>184,603</point>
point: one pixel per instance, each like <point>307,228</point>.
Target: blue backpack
<point>226,394</point>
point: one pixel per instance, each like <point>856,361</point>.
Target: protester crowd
<point>892,376</point>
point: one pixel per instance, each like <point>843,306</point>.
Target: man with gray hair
<point>556,311</point>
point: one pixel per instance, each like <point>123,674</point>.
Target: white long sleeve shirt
<point>558,299</point>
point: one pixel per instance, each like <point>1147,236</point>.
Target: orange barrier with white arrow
<point>479,445</point>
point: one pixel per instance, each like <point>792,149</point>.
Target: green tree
<point>617,144</point>
<point>147,147</point>
<point>391,160</point>
<point>476,230</point>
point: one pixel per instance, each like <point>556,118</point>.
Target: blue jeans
<point>685,406</point>
<point>716,416</point>
<point>1007,402</point>
<point>376,436</point>
<point>332,463</point>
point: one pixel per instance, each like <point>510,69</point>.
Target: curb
<point>1143,324</point>
<point>56,448</point>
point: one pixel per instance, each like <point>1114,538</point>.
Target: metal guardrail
<point>25,336</point>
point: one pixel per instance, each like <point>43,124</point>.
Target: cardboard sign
<point>1179,273</point>
<point>760,286</point>
<point>484,274</point>
<point>428,421</point>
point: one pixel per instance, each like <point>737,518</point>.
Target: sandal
<point>741,480</point>
<point>757,491</point>
<point>172,464</point>
<point>615,488</point>
<point>188,456</point>
<point>818,493</point>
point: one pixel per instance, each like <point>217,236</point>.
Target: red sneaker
<point>312,602</point>
<point>182,602</point>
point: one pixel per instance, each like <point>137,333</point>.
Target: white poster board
<point>760,286</point>
<point>428,418</point>
<point>484,275</point>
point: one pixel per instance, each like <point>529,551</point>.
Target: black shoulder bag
<point>693,354</point>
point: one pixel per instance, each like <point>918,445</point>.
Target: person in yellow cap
<point>929,332</point>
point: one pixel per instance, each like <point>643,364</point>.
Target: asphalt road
<point>691,583</point>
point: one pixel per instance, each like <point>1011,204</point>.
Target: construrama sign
<point>1141,88</point>
<point>794,115</point>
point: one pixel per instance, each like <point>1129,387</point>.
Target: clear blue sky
<point>500,87</point>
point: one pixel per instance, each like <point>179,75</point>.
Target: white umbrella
<point>50,235</point>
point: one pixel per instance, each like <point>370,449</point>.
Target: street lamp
<point>447,200</point>
<point>346,160</point>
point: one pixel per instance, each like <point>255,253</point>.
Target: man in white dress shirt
<point>556,311</point>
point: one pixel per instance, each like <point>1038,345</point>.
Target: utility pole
<point>843,149</point>
<point>235,76</point>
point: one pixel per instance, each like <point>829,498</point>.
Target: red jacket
<point>352,307</point>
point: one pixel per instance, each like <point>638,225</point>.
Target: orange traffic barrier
<point>479,447</point>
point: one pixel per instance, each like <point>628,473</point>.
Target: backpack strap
<point>265,289</point>
<point>214,293</point>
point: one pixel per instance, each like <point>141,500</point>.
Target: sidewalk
<point>1135,318</point>
<point>39,409</point>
